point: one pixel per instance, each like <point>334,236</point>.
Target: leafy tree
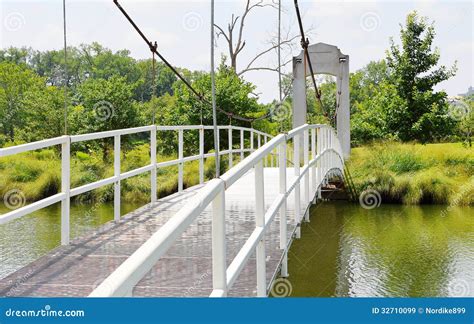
<point>233,95</point>
<point>466,124</point>
<point>103,105</point>
<point>414,71</point>
<point>17,83</point>
<point>164,80</point>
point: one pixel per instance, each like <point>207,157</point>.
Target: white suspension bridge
<point>227,237</point>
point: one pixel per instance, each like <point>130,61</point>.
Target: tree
<point>17,83</point>
<point>164,80</point>
<point>414,71</point>
<point>103,105</point>
<point>466,124</point>
<point>233,95</point>
<point>235,41</point>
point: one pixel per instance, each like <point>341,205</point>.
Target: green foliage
<point>415,73</point>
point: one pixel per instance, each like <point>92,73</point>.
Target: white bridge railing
<point>67,192</point>
<point>326,155</point>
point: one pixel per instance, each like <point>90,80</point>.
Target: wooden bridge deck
<point>185,270</point>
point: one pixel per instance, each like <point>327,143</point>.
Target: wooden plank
<point>185,270</point>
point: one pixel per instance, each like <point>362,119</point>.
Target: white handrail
<point>327,158</point>
<point>67,192</point>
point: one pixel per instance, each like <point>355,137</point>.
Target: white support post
<point>180,158</point>
<point>283,224</point>
<point>219,263</point>
<point>242,147</point>
<point>153,163</point>
<point>65,188</point>
<point>313,156</point>
<point>259,142</point>
<point>319,147</point>
<point>296,161</point>
<point>230,148</point>
<point>306,175</point>
<point>260,222</point>
<point>251,141</point>
<point>201,155</point>
<point>117,150</point>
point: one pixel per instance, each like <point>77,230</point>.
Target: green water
<point>26,239</point>
<point>345,250</point>
<point>392,250</point>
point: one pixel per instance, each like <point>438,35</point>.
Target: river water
<point>391,250</point>
<point>345,250</point>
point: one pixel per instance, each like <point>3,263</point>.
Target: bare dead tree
<point>235,40</point>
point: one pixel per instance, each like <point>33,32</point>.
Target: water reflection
<point>388,251</point>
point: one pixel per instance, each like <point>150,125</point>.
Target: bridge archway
<point>326,59</point>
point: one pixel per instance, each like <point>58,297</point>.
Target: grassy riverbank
<point>415,174</point>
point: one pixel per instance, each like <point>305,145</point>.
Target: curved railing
<point>326,155</point>
<point>254,139</point>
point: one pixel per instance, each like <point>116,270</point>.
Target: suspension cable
<point>153,84</point>
<point>154,49</point>
<point>213,90</point>
<point>304,45</point>
<point>65,70</point>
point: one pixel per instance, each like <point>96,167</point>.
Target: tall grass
<point>415,174</point>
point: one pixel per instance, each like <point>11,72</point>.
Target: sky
<point>361,29</point>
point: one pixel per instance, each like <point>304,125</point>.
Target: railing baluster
<point>296,162</point>
<point>318,152</point>
<point>117,149</point>
<point>313,156</point>
<point>306,175</point>
<point>230,147</point>
<point>65,188</point>
<point>201,155</point>
<point>242,147</point>
<point>260,222</point>
<point>153,162</point>
<point>219,254</point>
<point>251,141</point>
<point>283,224</point>
<point>180,157</point>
